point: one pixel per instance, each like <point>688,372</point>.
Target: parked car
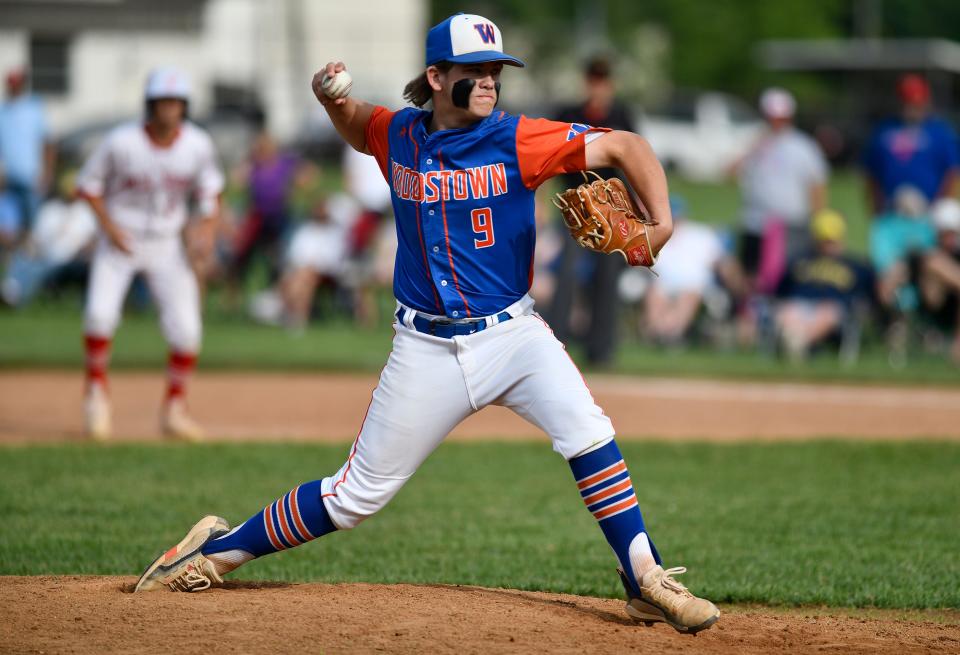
<point>700,135</point>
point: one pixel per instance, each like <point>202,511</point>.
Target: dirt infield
<point>74,614</point>
<point>96,615</point>
<point>47,407</point>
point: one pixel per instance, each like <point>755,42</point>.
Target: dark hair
<point>418,91</point>
<point>598,68</point>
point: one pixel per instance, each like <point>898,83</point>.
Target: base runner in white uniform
<point>139,182</point>
<point>463,179</point>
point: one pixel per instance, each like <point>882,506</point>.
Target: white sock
<point>229,560</point>
<point>641,557</point>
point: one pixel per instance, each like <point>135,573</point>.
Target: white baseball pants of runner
<point>430,384</point>
<point>172,283</point>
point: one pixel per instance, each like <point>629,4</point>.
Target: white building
<point>89,58</point>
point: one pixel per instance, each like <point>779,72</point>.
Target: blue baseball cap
<point>467,39</point>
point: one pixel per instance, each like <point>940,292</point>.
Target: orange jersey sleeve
<point>546,148</point>
<point>376,135</point>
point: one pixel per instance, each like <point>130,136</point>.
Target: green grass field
<point>48,335</point>
<point>840,524</point>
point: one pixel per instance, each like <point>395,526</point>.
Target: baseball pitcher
<point>139,182</point>
<point>463,178</point>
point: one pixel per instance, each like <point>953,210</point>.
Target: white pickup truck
<point>700,135</point>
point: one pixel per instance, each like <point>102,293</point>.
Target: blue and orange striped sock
<point>604,483</point>
<point>294,519</point>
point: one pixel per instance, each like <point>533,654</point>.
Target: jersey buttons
<point>429,161</point>
<point>430,212</point>
<point>455,313</point>
<point>443,283</point>
<point>436,249</point>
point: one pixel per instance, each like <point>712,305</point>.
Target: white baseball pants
<point>172,283</point>
<point>431,384</point>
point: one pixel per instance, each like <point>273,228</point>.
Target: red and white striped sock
<point>97,359</point>
<point>179,369</point>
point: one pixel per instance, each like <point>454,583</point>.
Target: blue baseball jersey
<point>919,154</point>
<point>463,200</point>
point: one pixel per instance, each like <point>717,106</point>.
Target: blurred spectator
<point>597,273</point>
<point>316,257</point>
<point>915,148</point>
<point>551,240</point>
<point>783,182</point>
<point>270,176</point>
<point>821,290</point>
<point>365,183</point>
<point>64,227</point>
<point>690,265</point>
<point>938,273</point>
<point>27,157</point>
<point>895,237</point>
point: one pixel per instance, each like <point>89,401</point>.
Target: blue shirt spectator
<point>915,149</point>
<point>918,154</point>
<point>23,132</point>
<point>26,159</point>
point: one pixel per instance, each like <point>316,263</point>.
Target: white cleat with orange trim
<point>183,567</point>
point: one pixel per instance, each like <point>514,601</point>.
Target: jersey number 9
<point>482,225</point>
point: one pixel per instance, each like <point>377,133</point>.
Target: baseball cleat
<point>183,567</point>
<point>97,413</point>
<point>177,423</point>
<point>664,599</point>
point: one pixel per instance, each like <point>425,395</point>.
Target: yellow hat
<point>828,225</point>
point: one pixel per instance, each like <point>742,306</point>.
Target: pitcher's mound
<point>98,615</point>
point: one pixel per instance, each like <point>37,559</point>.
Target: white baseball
<point>337,86</point>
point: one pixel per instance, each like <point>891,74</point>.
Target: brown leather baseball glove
<point>603,216</point>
